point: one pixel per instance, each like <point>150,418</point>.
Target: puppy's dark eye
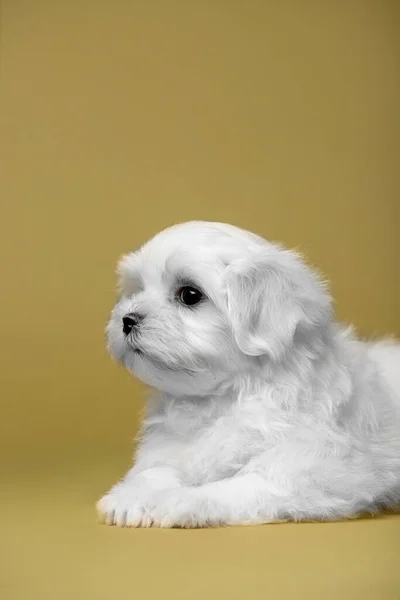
<point>189,295</point>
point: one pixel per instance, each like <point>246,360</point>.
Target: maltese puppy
<point>264,408</point>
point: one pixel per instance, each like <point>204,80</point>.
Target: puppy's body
<point>266,409</point>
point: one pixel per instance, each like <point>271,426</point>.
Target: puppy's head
<point>200,301</point>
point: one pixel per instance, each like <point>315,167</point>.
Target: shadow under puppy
<point>264,408</point>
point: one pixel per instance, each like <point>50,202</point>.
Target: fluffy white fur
<point>265,409</point>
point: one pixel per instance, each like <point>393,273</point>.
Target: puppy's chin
<point>168,379</point>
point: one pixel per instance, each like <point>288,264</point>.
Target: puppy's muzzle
<point>129,322</point>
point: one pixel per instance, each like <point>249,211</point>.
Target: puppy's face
<point>201,300</point>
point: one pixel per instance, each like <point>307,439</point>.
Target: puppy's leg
<point>249,500</point>
<point>127,504</point>
<point>245,499</point>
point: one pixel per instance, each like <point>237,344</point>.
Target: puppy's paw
<point>125,506</point>
<point>183,507</point>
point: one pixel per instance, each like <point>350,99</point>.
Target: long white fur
<point>264,409</point>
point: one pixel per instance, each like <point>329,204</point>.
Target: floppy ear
<point>269,297</point>
<point>127,275</point>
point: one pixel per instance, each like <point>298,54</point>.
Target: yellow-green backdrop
<point>119,118</point>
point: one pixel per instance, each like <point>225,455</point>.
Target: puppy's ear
<point>127,275</point>
<point>271,296</point>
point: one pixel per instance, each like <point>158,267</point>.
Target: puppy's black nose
<point>129,321</point>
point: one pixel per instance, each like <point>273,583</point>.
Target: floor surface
<point>53,548</point>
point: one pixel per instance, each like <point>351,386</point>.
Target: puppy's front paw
<point>125,506</point>
<point>183,507</point>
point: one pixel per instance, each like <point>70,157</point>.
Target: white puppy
<point>266,409</point>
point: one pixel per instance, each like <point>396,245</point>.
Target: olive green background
<point>119,118</point>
